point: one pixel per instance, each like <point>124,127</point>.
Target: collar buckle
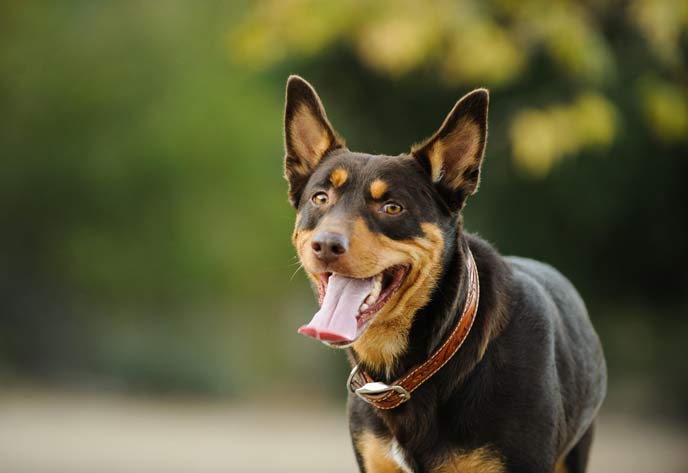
<point>375,388</point>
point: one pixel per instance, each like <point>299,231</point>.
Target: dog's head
<point>372,230</point>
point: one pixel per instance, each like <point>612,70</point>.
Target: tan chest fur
<point>379,456</point>
<point>481,460</point>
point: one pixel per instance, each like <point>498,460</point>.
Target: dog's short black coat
<point>523,392</point>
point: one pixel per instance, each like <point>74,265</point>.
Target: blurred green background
<point>145,231</point>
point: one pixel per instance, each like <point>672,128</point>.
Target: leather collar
<point>384,396</point>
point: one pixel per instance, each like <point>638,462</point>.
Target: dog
<point>463,360</point>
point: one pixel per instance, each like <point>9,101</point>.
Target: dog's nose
<point>328,246</point>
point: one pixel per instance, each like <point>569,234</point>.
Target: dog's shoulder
<point>545,293</point>
<point>543,275</point>
<point>532,291</point>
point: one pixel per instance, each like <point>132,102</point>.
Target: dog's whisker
<point>297,270</point>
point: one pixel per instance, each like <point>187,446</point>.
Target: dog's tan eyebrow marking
<point>339,177</point>
<point>378,188</point>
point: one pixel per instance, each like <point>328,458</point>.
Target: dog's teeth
<point>375,292</point>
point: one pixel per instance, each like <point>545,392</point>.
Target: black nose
<point>329,246</point>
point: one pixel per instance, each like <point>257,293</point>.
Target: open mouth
<point>348,305</point>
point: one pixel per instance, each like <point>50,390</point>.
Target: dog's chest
<point>481,460</point>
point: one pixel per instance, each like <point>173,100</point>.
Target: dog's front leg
<point>374,453</point>
<point>371,440</point>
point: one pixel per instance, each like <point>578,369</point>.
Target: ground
<point>77,433</point>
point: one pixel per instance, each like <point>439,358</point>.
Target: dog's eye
<point>320,198</point>
<point>392,208</point>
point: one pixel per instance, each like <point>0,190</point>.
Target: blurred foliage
<point>542,137</point>
<point>492,43</point>
<point>128,156</point>
<point>145,229</point>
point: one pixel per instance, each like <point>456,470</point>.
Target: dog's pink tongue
<point>336,319</point>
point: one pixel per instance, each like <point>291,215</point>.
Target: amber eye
<point>392,208</point>
<point>320,198</point>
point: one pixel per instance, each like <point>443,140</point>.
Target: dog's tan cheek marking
<point>295,233</point>
<point>375,452</point>
<point>378,189</point>
<point>387,336</point>
<point>368,253</point>
<point>339,177</point>
<point>300,239</point>
<point>481,460</point>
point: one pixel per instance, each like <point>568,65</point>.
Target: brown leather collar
<point>384,396</point>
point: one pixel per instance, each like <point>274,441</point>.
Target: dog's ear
<point>453,155</point>
<point>308,135</point>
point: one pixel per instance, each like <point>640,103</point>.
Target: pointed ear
<point>453,155</point>
<point>308,136</point>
